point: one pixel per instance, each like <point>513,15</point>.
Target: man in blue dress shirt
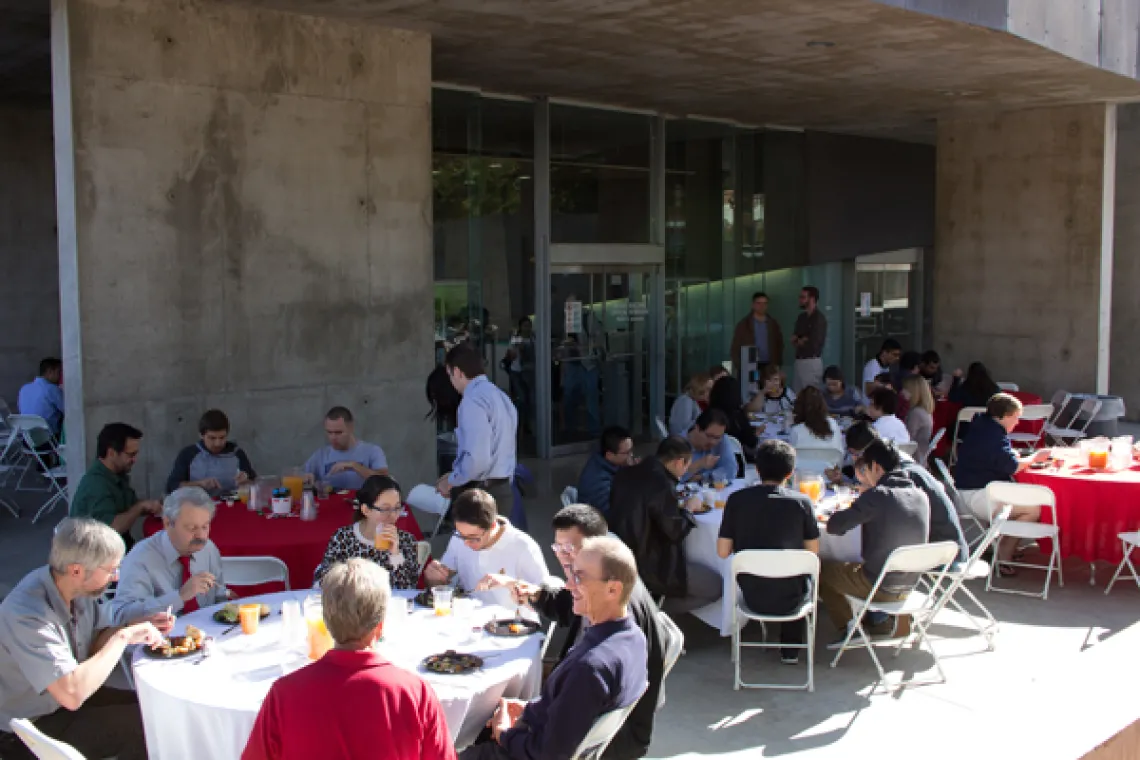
<point>43,396</point>
<point>487,423</point>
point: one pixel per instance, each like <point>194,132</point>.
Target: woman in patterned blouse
<point>378,507</point>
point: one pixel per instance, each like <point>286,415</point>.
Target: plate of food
<point>511,627</point>
<point>177,647</point>
<point>424,598</point>
<point>228,615</point>
<point>452,663</point>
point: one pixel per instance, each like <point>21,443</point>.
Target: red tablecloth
<point>1092,509</point>
<point>301,545</point>
<point>946,412</point>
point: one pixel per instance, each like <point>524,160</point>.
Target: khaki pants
<point>808,372</point>
<point>837,581</point>
<point>108,724</point>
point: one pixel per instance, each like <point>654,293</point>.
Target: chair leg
<point>10,507</point>
<point>1119,568</point>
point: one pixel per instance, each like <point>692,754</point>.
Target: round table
<point>300,544</point>
<point>205,707</point>
<point>1093,507</point>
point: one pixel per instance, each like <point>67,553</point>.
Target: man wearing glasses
<point>598,475</point>
<point>484,547</point>
<point>59,649</point>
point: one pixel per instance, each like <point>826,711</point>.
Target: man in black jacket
<point>647,514</point>
<point>573,525</point>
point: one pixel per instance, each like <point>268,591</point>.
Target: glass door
<point>886,303</point>
<point>601,345</point>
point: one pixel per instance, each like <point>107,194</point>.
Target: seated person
<point>43,396</point>
<point>770,516</point>
<point>374,536</point>
<point>893,513</point>
<point>775,397</point>
<point>598,474</point>
<point>688,406</point>
<point>59,648</point>
<point>840,399</point>
<point>179,568</point>
<point>920,418</point>
<point>930,367</point>
<point>485,544</point>
<point>907,367</point>
<point>985,455</point>
<point>725,396</point>
<point>346,461</point>
<point>646,513</point>
<point>605,671</point>
<point>888,355</point>
<point>105,492</point>
<point>712,457</point>
<point>813,425</point>
<point>881,410</point>
<point>352,703</point>
<point>552,599</point>
<point>213,463</point>
<point>977,389</point>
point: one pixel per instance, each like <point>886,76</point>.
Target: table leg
<point>1092,573</point>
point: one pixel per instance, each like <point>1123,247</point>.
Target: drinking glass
<point>441,599</point>
<point>250,617</point>
<point>294,480</point>
<point>291,622</point>
<point>320,641</point>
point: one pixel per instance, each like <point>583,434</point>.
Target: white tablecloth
<point>700,547</point>
<point>194,711</point>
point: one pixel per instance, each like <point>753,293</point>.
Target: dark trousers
<point>485,748</point>
<point>766,603</point>
<point>108,724</point>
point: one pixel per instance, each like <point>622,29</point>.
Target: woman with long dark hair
<point>813,427</point>
<point>977,389</point>
<point>443,400</point>
<point>725,396</point>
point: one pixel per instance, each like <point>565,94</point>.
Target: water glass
<point>441,599</point>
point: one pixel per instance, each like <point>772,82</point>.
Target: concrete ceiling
<point>844,65</point>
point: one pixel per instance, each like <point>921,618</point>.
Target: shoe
<point>790,657</point>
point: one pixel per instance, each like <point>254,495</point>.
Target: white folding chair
<point>1078,425</point>
<point>662,429</point>
<point>817,458</point>
<point>1002,495</point>
<point>603,731</point>
<point>253,571</point>
<point>965,516</point>
<point>37,445</point>
<point>423,551</point>
<point>910,448</point>
<point>1129,542</point>
<point>919,559</point>
<point>737,453</point>
<point>933,447</point>
<point>676,646</point>
<point>427,499</point>
<point>569,496</point>
<point>973,569</point>
<point>1008,387</point>
<point>787,563</point>
<point>1033,413</point>
<point>964,415</point>
<point>43,746</point>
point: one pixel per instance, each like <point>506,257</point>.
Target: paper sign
<point>864,304</point>
<point>573,316</point>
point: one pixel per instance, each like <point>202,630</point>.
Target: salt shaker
<point>308,506</point>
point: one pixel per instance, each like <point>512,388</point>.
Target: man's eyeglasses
<point>111,571</point>
<point>564,548</point>
<point>579,578</point>
<point>472,539</point>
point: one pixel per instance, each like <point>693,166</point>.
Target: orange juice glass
<point>243,494</point>
<point>296,486</point>
<point>250,617</point>
<point>441,599</point>
<point>382,542</point>
<point>812,488</point>
<point>1098,460</point>
<point>320,641</point>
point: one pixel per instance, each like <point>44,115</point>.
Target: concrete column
<point>244,207</point>
<point>1024,245</point>
<point>1126,261</point>
<point>29,288</point>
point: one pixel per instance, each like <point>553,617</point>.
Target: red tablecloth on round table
<point>1092,509</point>
<point>300,544</point>
<point>946,412</point>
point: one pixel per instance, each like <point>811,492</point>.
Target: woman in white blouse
<point>813,427</point>
<point>920,419</point>
<point>774,397</point>
<point>687,407</point>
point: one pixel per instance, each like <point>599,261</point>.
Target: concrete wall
<point>29,264</point>
<point>251,200</point>
<point>1125,373</point>
<point>1018,233</point>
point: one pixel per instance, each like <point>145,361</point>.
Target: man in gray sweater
<point>893,513</point>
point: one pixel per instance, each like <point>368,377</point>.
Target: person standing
<point>808,337</point>
<point>488,423</point>
<point>759,330</point>
<point>105,492</point>
<point>43,396</point>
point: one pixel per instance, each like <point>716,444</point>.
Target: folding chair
<point>817,458</point>
<point>426,499</point>
<point>920,559</point>
<point>662,430</point>
<point>1002,495</point>
<point>910,448</point>
<point>569,496</point>
<point>1033,413</point>
<point>964,513</point>
<point>1059,402</point>
<point>9,456</point>
<point>676,646</point>
<point>1129,542</point>
<point>933,447</point>
<point>1008,387</point>
<point>964,415</point>
<point>35,436</point>
<point>603,731</point>
<point>973,569</point>
<point>253,571</point>
<point>1075,430</point>
<point>778,563</point>
<point>43,746</point>
<point>737,453</point>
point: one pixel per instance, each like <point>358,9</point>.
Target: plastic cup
<point>250,617</point>
<point>441,599</point>
<point>382,542</point>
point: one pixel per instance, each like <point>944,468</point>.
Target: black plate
<point>424,598</point>
<point>218,618</point>
<point>160,655</point>
<point>459,663</point>
<point>502,627</point>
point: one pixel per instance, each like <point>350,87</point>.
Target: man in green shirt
<point>105,492</point>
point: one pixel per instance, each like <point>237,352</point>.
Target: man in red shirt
<point>352,704</point>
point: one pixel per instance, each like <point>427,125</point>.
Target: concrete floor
<point>705,717</point>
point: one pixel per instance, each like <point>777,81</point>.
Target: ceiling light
<point>496,166</point>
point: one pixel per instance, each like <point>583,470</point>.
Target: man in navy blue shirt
<point>605,671</point>
<point>598,474</point>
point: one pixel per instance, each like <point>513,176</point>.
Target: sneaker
<point>790,657</point>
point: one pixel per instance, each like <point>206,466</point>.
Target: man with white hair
<point>352,703</point>
<point>179,567</point>
<point>57,648</point>
<point>605,671</point>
